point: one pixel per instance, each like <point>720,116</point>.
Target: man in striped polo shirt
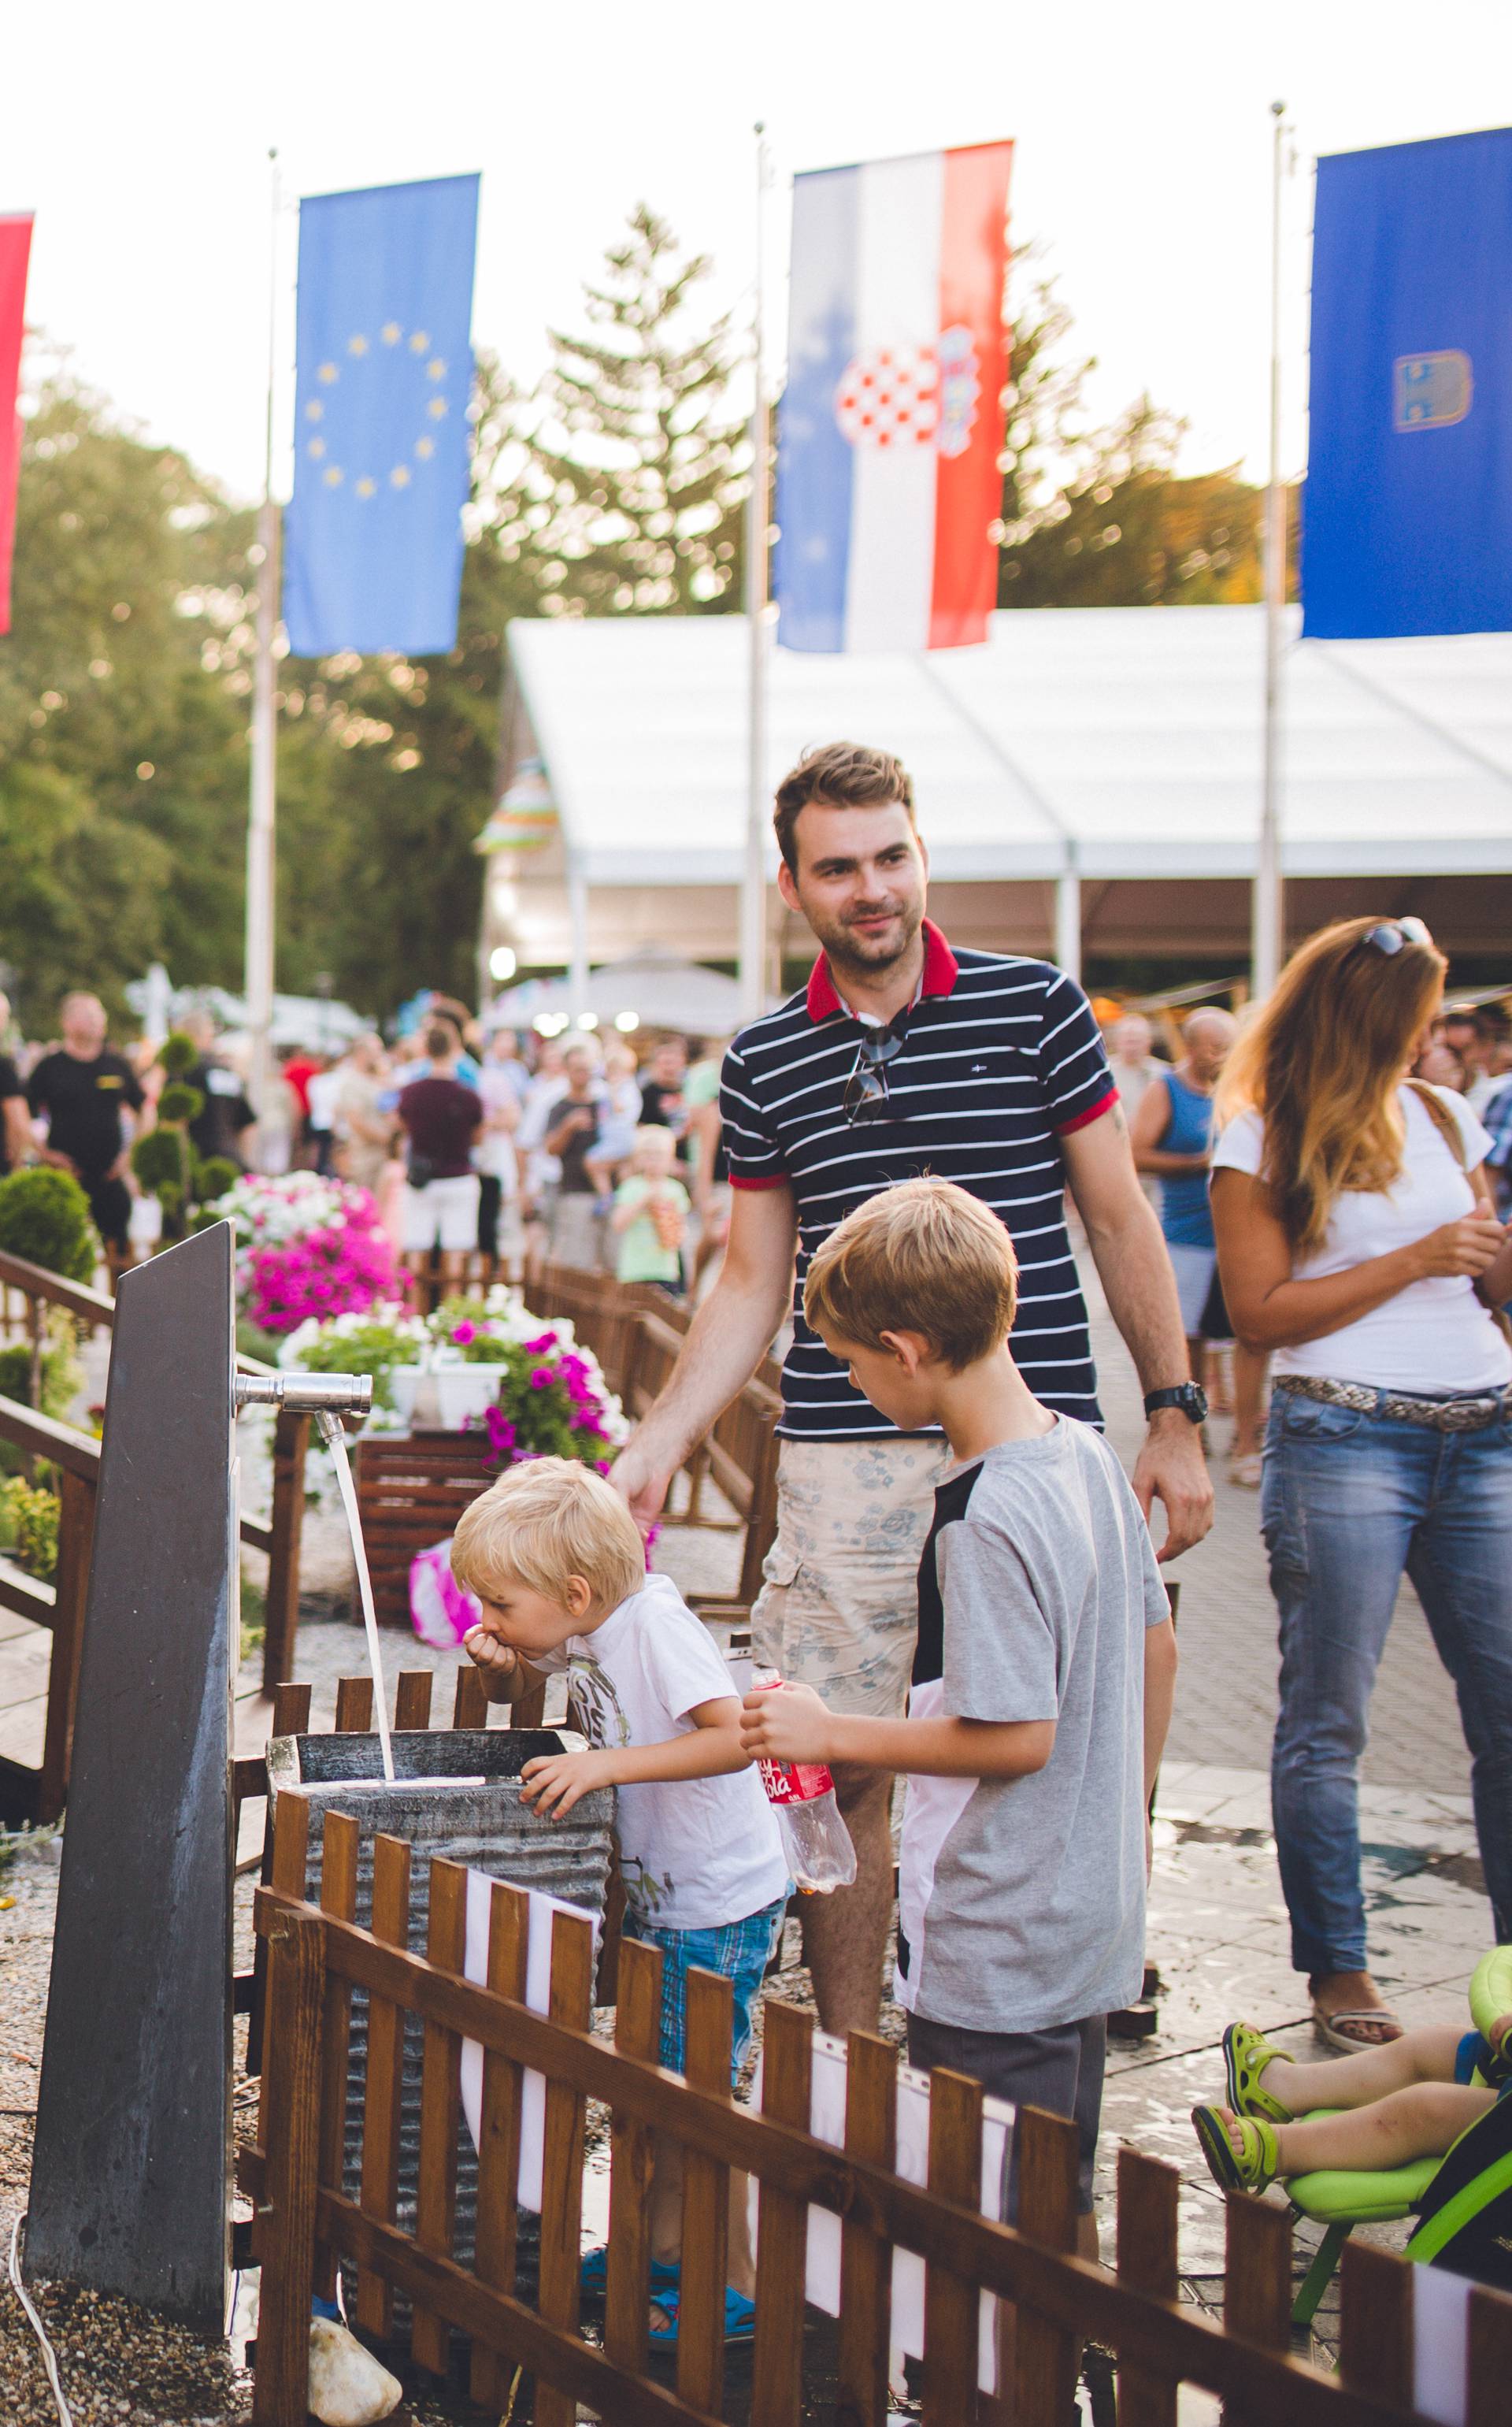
<point>901,1058</point>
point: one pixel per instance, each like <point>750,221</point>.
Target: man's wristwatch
<point>1189,1397</point>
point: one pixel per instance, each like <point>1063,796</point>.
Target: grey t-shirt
<point>1022,1900</point>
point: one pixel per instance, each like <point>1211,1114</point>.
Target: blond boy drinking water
<point>556,1561</point>
<point>1041,1686</point>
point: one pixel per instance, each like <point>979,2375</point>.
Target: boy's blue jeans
<point>1349,1501</point>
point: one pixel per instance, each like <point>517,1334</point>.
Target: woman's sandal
<point>1245,1469</point>
<point>1335,2032</point>
<point>740,2316</point>
<point>1246,2053</point>
<point>1254,2167</point>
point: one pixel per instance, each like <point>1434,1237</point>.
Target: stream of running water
<point>335,1437</point>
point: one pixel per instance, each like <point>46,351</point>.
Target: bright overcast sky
<point>140,136</point>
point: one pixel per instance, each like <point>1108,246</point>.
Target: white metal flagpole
<point>753,884</point>
<point>261,805</point>
<point>1267,926</point>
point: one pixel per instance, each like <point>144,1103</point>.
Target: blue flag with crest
<point>373,538</point>
<point>1407,522</point>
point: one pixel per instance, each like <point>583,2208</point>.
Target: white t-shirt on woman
<point>1435,1335</point>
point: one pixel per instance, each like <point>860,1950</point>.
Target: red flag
<point>15,245</point>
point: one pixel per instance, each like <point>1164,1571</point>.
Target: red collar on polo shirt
<point>942,970</point>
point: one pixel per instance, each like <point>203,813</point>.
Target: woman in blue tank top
<point>1173,1137</point>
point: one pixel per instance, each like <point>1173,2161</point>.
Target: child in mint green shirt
<point>650,1216</point>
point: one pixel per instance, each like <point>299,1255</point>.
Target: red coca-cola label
<point>795,1782</point>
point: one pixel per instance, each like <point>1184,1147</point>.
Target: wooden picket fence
<point>306,2221</point>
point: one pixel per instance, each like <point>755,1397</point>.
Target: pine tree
<point>639,465</point>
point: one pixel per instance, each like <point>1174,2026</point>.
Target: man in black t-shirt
<point>222,1124</point>
<point>84,1089</point>
<point>664,1105</point>
<point>15,1122</point>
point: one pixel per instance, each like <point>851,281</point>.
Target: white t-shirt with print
<point>695,1852</point>
<point>1434,1335</point>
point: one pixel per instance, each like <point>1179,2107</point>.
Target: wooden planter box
<point>412,1487</point>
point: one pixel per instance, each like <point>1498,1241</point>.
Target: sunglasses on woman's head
<point>1394,934</point>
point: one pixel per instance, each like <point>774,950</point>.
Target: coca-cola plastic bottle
<point>815,1839</point>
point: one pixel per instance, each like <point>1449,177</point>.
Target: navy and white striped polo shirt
<point>1002,1058</point>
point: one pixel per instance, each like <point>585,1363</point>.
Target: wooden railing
<point>306,2218</point>
<point>40,1794</point>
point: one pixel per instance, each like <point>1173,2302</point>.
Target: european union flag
<point>1407,517</point>
<point>373,541</point>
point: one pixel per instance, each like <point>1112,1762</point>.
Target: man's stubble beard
<point>845,950</point>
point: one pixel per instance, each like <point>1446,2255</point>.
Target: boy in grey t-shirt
<point>1042,1682</point>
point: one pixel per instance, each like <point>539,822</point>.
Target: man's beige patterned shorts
<point>840,1607</point>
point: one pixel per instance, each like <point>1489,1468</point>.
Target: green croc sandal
<point>1246,2053</point>
<point>1256,2169</point>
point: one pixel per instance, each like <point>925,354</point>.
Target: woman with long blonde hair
<point>1356,1239</point>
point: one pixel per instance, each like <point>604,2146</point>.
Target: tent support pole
<point>1068,921</point>
<point>261,807</point>
<point>1268,916</point>
<point>754,880</point>
<point>578,917</point>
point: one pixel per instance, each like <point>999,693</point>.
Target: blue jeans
<point>1349,1501</point>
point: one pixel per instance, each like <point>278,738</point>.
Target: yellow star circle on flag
<point>399,477</point>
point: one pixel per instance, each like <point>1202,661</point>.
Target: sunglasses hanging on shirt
<point>868,1097</point>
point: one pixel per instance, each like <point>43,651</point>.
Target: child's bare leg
<point>1422,2121</point>
<point>666,2221</point>
<point>1355,2080</point>
<point>740,2266</point>
<point>666,2201</point>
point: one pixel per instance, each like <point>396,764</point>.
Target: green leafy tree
<point>122,753</point>
<point>641,466</point>
<point>1099,516</point>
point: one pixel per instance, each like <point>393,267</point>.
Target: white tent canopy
<point>1078,746</point>
<point>650,990</point>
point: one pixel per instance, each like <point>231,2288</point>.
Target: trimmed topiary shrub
<point>178,1053</point>
<point>45,1216</point>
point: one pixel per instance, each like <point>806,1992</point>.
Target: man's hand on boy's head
<point>786,1723</point>
<point>554,1782</point>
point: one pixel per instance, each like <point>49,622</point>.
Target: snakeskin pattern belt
<point>1468,1416</point>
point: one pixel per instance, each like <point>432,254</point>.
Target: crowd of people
<point>1304,1203</point>
<point>472,1139</point>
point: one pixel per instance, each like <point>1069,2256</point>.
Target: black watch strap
<point>1189,1397</point>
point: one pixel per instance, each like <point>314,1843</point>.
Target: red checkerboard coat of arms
<point>912,396</point>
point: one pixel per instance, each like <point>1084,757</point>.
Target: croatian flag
<point>892,421</point>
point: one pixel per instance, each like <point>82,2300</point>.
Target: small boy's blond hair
<point>543,1522</point>
<point>654,1133</point>
<point>922,1256</point>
